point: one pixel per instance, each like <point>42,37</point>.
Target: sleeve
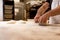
<point>49,1</point>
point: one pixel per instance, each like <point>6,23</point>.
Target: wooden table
<point>28,30</point>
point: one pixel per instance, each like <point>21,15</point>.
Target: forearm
<point>54,12</point>
<point>43,8</point>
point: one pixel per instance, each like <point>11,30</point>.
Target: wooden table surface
<point>28,30</point>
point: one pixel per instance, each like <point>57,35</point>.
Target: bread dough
<point>11,22</point>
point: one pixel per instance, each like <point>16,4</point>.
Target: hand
<point>43,19</point>
<point>36,18</point>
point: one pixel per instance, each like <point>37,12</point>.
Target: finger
<point>36,20</point>
<point>39,20</point>
<point>43,21</point>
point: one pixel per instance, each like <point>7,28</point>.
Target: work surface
<point>28,30</point>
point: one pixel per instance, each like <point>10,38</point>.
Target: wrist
<point>47,15</point>
<point>38,15</point>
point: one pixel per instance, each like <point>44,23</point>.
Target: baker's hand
<point>43,19</point>
<point>36,18</point>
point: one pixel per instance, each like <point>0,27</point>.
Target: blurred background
<point>19,9</point>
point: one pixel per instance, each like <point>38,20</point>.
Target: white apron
<point>55,19</point>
